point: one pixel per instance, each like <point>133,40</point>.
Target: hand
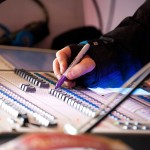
<point>60,64</point>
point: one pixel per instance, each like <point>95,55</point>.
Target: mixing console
<point>29,102</point>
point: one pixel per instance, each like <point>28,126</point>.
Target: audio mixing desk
<point>30,103</point>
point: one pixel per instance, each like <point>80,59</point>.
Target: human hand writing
<point>60,65</point>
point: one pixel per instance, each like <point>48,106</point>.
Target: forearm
<point>118,61</point>
<point>133,34</point>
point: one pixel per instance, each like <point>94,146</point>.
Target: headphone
<point>30,34</point>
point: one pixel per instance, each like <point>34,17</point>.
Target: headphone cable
<point>39,3</point>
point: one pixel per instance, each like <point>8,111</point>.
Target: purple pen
<point>60,82</point>
<point>75,61</point>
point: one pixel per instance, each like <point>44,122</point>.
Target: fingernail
<point>72,85</point>
<point>58,76</point>
<point>62,70</point>
<point>71,75</point>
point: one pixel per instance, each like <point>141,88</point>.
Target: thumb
<point>86,65</point>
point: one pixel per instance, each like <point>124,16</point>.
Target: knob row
<point>16,105</point>
<point>72,101</point>
<point>31,78</point>
<point>28,88</point>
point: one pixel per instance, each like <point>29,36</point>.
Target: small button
<point>126,127</point>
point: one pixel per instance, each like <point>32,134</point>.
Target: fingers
<point>70,83</point>
<point>86,65</point>
<point>56,69</point>
<point>60,64</point>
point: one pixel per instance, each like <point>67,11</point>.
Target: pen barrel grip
<point>80,55</point>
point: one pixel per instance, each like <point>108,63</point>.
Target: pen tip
<point>60,82</point>
<point>56,87</point>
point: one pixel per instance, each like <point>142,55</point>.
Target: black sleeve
<point>133,34</point>
<point>116,62</point>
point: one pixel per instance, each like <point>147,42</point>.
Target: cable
<point>44,9</point>
<point>5,29</point>
<point>29,35</point>
<point>111,14</point>
<point>99,16</point>
<point>2,1</point>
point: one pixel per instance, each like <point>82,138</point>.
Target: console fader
<point>29,102</point>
